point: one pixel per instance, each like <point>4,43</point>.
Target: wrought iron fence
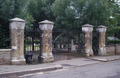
<point>66,44</point>
<point>33,44</point>
<point>4,37</point>
<point>95,42</point>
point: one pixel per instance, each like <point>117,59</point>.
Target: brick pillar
<point>17,40</point>
<point>46,44</point>
<point>87,36</point>
<point>102,49</point>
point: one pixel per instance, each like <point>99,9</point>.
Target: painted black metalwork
<point>67,44</point>
<point>32,43</point>
<point>95,41</point>
<point>4,37</point>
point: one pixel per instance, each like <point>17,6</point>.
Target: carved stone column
<point>87,39</point>
<point>46,45</point>
<point>102,31</point>
<point>17,40</point>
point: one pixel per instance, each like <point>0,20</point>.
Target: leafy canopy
<point>74,13</point>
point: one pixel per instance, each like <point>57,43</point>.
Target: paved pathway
<point>101,70</point>
<point>77,62</point>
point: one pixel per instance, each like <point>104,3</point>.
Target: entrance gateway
<point>32,44</point>
<point>39,42</point>
<point>67,44</point>
<point>44,43</point>
<point>47,45</point>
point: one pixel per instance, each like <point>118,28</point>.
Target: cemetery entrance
<point>95,42</point>
<point>67,44</point>
<point>32,45</point>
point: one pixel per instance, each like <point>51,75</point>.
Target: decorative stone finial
<point>46,22</point>
<point>101,28</point>
<point>19,25</point>
<point>17,20</point>
<point>46,25</point>
<point>87,27</point>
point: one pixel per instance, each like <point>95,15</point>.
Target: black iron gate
<point>32,45</point>
<point>66,44</point>
<point>95,42</point>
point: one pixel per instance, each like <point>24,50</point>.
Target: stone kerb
<point>87,36</point>
<point>17,40</point>
<point>46,43</point>
<point>102,31</point>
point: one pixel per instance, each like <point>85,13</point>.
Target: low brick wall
<point>113,49</point>
<point>117,49</point>
<point>110,49</point>
<point>5,56</point>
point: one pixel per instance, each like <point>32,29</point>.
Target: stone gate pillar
<point>87,36</point>
<point>17,40</point>
<point>46,44</point>
<point>102,30</point>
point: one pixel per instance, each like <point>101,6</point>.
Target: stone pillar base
<point>102,52</point>
<point>48,59</point>
<point>91,54</point>
<point>88,53</point>
<point>18,62</point>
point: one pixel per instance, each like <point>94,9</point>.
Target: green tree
<point>114,22</point>
<point>69,12</point>
<point>10,9</point>
<point>40,10</point>
<point>59,11</point>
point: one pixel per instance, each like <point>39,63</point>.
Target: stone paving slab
<point>25,69</point>
<point>21,69</point>
<point>76,62</point>
<point>105,58</point>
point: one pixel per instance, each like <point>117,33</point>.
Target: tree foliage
<point>66,14</point>
<point>40,10</point>
<point>74,13</point>
<point>10,9</point>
